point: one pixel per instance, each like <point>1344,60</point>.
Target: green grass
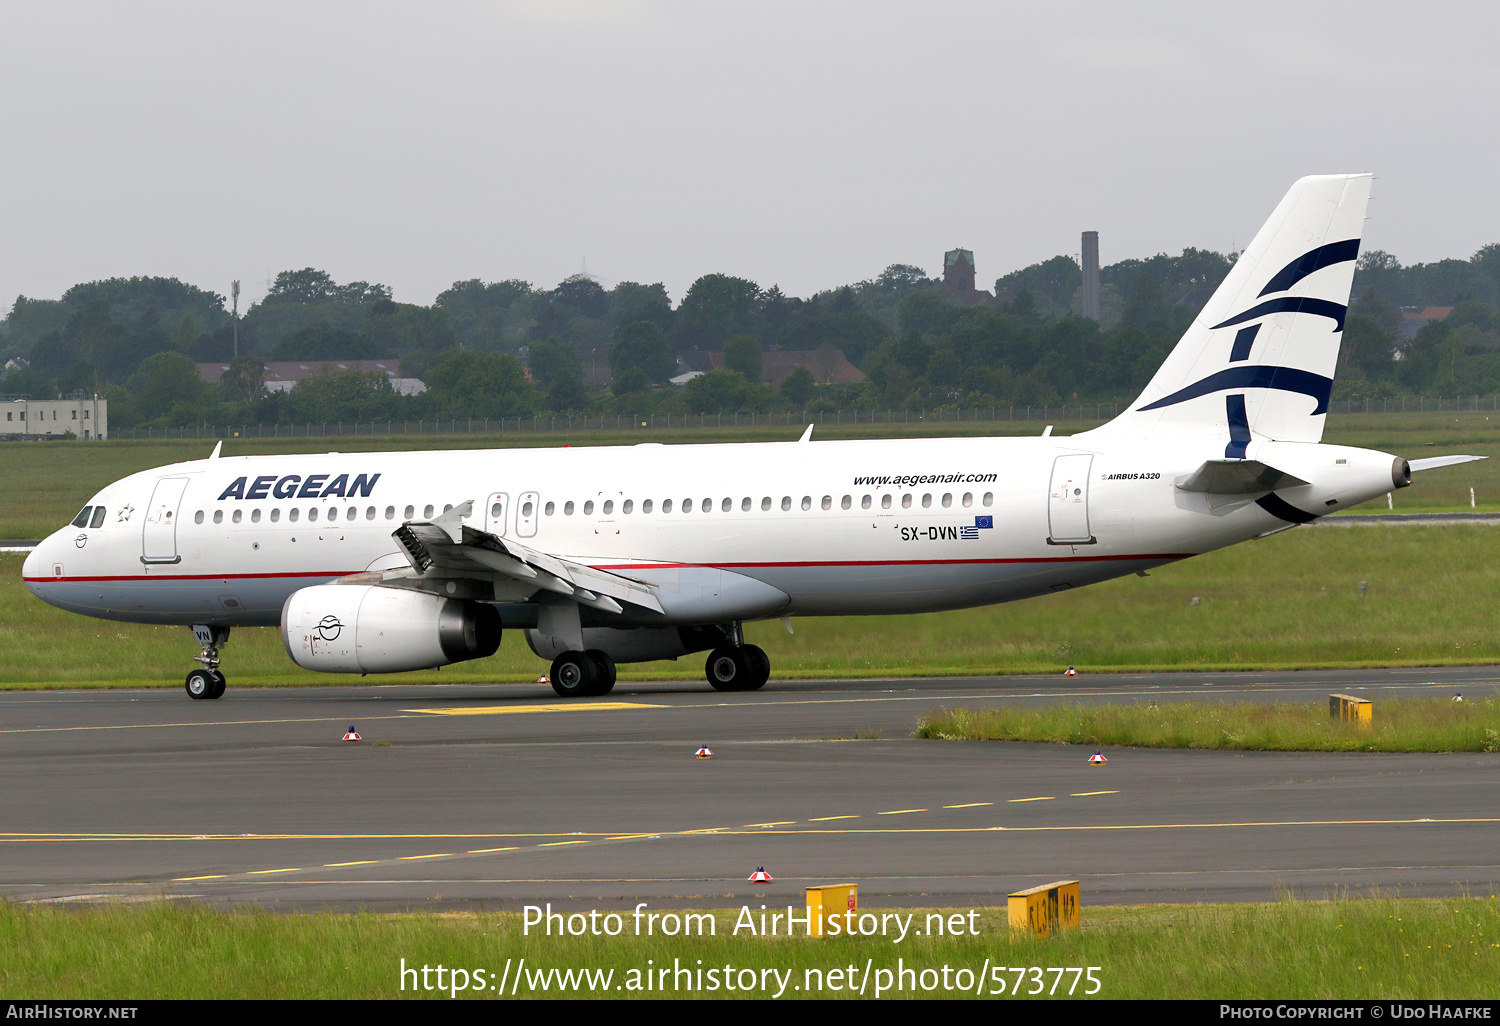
<point>1398,725</point>
<point>1389,948</point>
<point>1290,601</point>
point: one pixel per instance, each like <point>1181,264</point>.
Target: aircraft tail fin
<point>1258,360</point>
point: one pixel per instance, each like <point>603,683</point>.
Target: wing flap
<point>444,544</point>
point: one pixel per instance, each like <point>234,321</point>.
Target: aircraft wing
<point>445,547</point>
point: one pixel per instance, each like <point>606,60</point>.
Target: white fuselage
<point>847,527</point>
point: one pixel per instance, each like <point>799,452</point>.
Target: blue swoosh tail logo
<point>1286,379</point>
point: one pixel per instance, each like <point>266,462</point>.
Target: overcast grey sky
<point>806,144</point>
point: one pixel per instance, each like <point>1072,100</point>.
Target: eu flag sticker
<point>984,523</point>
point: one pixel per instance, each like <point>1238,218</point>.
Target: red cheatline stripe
<point>661,566</point>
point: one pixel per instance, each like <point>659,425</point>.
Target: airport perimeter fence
<point>1070,413</point>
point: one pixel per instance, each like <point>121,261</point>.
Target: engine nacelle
<point>358,628</point>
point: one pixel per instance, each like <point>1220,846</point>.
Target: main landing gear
<point>208,682</point>
<point>738,668</point>
<point>576,674</point>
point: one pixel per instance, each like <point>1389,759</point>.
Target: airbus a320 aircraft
<point>382,562</point>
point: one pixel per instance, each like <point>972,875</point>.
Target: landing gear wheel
<point>728,669</point>
<point>606,665</point>
<point>574,674</point>
<point>219,685</point>
<point>760,667</point>
<point>200,684</point>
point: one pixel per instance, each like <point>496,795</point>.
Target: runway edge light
<point>703,752</point>
<point>760,875</point>
<point>352,734</point>
<point>1097,759</point>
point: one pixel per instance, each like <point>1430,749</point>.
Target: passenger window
<point>427,513</point>
<point>447,507</point>
<point>968,498</point>
<point>947,499</point>
<point>627,506</point>
<point>312,514</point>
<point>354,512</point>
<point>197,518</point>
<point>238,516</point>
<point>786,502</point>
<point>885,501</point>
<point>927,500</point>
<point>369,512</point>
<point>906,501</point>
<point>646,506</point>
<point>525,509</point>
<point>390,512</point>
<point>588,508</point>
<point>550,508</point>
<point>864,503</point>
<point>807,502</point>
<point>82,519</point>
<point>845,502</point>
<point>666,506</point>
<point>218,516</point>
<point>687,506</point>
<point>255,516</point>
<point>275,514</point>
<point>989,497</point>
<point>765,504</point>
<point>728,504</point>
<point>568,508</point>
<point>98,520</point>
<point>609,507</point>
<point>291,514</point>
<point>411,511</point>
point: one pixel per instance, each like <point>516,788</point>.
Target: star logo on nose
<point>125,512</point>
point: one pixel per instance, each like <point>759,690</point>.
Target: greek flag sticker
<point>980,524</point>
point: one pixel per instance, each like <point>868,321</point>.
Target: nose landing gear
<point>208,682</point>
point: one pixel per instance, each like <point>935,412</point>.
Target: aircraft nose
<point>36,568</point>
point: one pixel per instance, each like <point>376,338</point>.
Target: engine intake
<point>349,628</point>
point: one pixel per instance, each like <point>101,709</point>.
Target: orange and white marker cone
<point>760,875</point>
<point>1097,759</point>
<point>704,753</point>
<point>1070,672</point>
<point>352,735</point>
<point>544,679</point>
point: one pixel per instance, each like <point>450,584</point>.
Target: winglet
<point>217,446</point>
<point>806,435</point>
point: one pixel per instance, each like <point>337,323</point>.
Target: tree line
<point>509,348</point>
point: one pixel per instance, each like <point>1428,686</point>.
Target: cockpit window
<point>98,520</point>
<point>82,520</point>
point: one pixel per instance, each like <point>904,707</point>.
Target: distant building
<point>958,279</point>
<point>283,375</point>
<point>1413,321</point>
<point>827,365</point>
<point>52,418</point>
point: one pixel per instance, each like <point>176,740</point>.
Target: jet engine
<point>354,628</point>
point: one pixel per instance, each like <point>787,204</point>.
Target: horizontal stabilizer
<point>1237,477</point>
<point>1432,462</point>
